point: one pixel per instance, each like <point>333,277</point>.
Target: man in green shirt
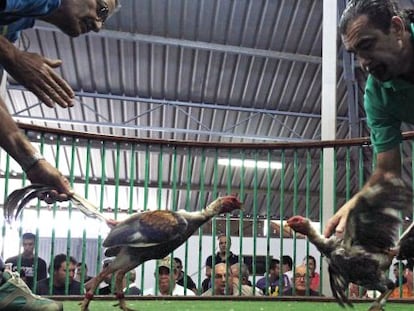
<point>381,37</point>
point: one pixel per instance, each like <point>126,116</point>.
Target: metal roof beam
<point>189,104</point>
<point>208,46</point>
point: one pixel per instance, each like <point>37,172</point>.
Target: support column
<point>328,126</point>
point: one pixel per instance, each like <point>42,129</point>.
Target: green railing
<point>127,175</point>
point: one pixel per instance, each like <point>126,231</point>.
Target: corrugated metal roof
<point>212,70</point>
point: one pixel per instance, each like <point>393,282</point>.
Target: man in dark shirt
<point>220,257</point>
<point>60,269</point>
<point>27,264</point>
<point>181,275</point>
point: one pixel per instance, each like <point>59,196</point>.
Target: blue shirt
<point>21,14</point>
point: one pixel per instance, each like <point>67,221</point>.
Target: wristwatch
<point>29,162</point>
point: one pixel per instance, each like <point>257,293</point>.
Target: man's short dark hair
<point>274,263</point>
<point>59,259</point>
<point>379,13</point>
<point>287,260</point>
<point>28,236</point>
<point>178,261</point>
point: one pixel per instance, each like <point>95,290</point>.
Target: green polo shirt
<point>387,105</point>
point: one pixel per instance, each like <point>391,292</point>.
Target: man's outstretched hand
<point>37,74</point>
<point>336,225</point>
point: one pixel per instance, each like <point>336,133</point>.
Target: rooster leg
<point>119,290</point>
<point>91,286</point>
<point>379,303</point>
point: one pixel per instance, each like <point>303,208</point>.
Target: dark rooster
<point>141,237</point>
<point>370,241</point>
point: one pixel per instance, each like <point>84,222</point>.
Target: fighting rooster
<point>370,241</point>
<point>141,237</point>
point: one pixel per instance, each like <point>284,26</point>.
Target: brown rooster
<point>151,235</point>
<point>141,237</point>
<point>370,241</point>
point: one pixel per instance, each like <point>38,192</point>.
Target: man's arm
<point>38,170</point>
<point>388,162</point>
<point>36,74</point>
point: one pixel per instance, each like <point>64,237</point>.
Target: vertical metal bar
<point>228,224</point>
<point>6,190</point>
<point>146,183</point>
<point>282,216</point>
<point>321,174</point>
<point>132,169</point>
<point>159,198</point>
<point>53,242</point>
<point>295,199</point>
<point>101,207</point>
<point>71,181</point>
<point>268,223</point>
<point>241,223</point>
<point>255,214</point>
<point>117,168</point>
<point>202,203</point>
<point>174,208</point>
<point>360,185</point>
<point>86,192</point>
<point>307,208</point>
<point>214,223</point>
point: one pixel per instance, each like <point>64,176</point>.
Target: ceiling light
<point>250,163</point>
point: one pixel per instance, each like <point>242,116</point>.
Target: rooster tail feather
<point>17,200</point>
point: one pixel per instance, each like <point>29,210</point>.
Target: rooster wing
<point>374,222</point>
<point>147,229</point>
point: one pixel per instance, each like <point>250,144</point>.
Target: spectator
<point>300,284</point>
<point>180,281</point>
<point>78,276</point>
<point>243,276</point>
<point>28,262</point>
<point>406,289</point>
<point>61,267</point>
<point>226,284</point>
<point>274,277</point>
<point>287,266</point>
<point>356,291</point>
<point>314,279</point>
<point>130,287</point>
<point>167,285</point>
<point>220,257</point>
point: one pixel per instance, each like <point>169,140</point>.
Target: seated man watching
<point>300,286</point>
<point>167,285</point>
<point>227,284</point>
<point>60,269</point>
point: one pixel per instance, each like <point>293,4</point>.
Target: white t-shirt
<point>178,291</point>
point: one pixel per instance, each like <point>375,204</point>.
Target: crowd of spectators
<point>225,274</point>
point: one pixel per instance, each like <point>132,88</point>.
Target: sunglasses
<point>102,11</point>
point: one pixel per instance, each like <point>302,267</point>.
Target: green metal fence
<point>126,175</point>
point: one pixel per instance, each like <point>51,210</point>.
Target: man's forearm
<point>8,52</point>
<point>14,141</point>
